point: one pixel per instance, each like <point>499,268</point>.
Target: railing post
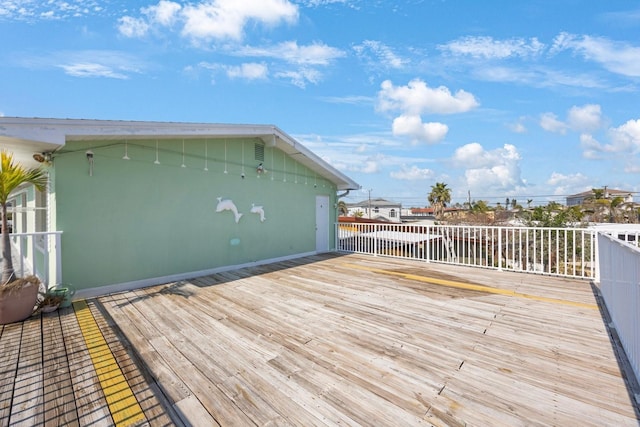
<point>58,254</point>
<point>375,239</point>
<point>428,244</point>
<point>499,248</point>
<point>595,259</point>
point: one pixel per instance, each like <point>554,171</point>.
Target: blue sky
<point>531,99</point>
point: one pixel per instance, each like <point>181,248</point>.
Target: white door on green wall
<point>322,223</point>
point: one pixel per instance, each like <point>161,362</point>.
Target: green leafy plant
<point>12,176</point>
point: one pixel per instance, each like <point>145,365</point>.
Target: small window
<point>392,213</point>
<point>376,209</point>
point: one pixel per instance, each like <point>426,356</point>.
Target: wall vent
<point>259,151</point>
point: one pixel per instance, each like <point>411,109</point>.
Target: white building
<point>379,209</point>
<point>578,199</point>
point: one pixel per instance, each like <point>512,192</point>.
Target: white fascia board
<point>309,159</point>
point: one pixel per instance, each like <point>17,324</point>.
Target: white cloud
<point>517,127</point>
<point>489,48</point>
<point>617,57</point>
<point>471,155</point>
<point>489,171</point>
<point>412,125</point>
<point>632,168</point>
<point>412,173</point>
<point>300,77</point>
<point>210,19</point>
<point>550,123</point>
<point>536,76</point>
<point>92,63</point>
<point>417,98</point>
<point>568,184</point>
<point>291,52</point>
<point>625,138</point>
<point>85,69</point>
<point>587,118</point>
<point>164,13</point>
<point>226,19</point>
<point>248,71</point>
<point>301,62</point>
<point>133,27</point>
<point>590,146</point>
<point>39,10</point>
<point>378,54</point>
<point>370,166</point>
<point>316,3</point>
<point>349,99</point>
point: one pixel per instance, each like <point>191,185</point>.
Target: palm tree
<point>598,193</point>
<point>439,197</point>
<point>614,208</point>
<point>11,177</point>
<point>480,206</point>
<point>342,208</point>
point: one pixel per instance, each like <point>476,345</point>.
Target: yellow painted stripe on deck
<point>123,405</point>
<point>472,287</point>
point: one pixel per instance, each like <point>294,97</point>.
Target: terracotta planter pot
<point>17,305</point>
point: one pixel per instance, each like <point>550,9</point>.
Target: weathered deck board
<point>59,400</point>
<point>27,408</point>
<point>128,317</point>
<point>90,400</point>
<point>10,350</point>
<point>154,412</point>
<point>357,340</point>
<point>47,376</point>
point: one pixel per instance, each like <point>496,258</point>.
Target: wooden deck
<point>333,340</point>
<point>49,376</point>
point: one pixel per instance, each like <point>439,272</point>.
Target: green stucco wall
<point>134,220</point>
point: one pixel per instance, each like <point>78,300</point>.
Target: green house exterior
<point>142,203</point>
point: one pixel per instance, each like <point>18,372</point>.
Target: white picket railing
<point>620,287</point>
<point>39,254</point>
<point>568,252</point>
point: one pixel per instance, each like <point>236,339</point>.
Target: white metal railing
<point>38,253</point>
<point>620,287</point>
<point>567,252</point>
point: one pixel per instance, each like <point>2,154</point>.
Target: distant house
<point>428,212</point>
<point>379,209</point>
<point>580,198</point>
<point>143,203</point>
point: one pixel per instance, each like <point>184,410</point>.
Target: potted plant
<point>17,296</point>
<point>51,300</point>
<point>66,291</point>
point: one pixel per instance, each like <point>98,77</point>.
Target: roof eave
<point>32,135</point>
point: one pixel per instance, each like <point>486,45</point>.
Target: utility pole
<point>370,190</point>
